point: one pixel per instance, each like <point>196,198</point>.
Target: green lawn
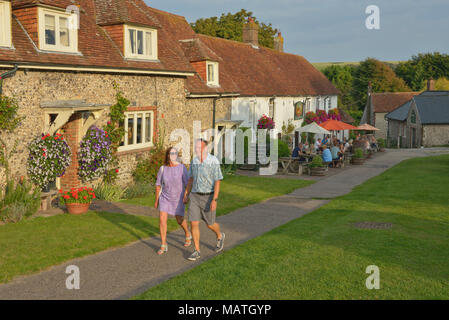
<point>240,191</point>
<point>322,256</point>
<point>35,244</point>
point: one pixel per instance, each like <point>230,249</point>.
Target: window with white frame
<point>212,73</point>
<point>5,24</point>
<point>140,43</point>
<point>138,126</point>
<point>57,31</point>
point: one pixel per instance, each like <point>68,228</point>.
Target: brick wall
<point>28,18</point>
<point>116,33</point>
<point>72,136</point>
<point>200,67</point>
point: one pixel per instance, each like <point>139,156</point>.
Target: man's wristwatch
<point>215,199</point>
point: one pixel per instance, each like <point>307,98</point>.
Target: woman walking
<point>171,182</point>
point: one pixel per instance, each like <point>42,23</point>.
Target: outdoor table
<point>286,163</point>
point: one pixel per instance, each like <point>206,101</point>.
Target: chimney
<point>250,32</point>
<point>430,84</point>
<point>279,42</point>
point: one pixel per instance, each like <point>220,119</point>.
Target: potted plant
<point>77,200</point>
<point>358,157</point>
<point>317,167</point>
<point>381,144</point>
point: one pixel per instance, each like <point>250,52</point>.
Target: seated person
<point>336,155</point>
<point>325,140</point>
<point>298,152</point>
<point>317,145</point>
<point>327,155</point>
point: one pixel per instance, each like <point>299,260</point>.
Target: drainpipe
<point>213,113</point>
<point>7,74</point>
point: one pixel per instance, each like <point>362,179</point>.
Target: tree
<point>381,77</point>
<point>230,26</point>
<point>422,67</point>
<point>342,78</point>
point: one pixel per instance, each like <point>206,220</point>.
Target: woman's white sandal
<point>163,249</point>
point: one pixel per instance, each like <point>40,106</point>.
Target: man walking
<point>204,185</point>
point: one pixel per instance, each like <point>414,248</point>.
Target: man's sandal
<point>188,242</point>
<point>163,249</point>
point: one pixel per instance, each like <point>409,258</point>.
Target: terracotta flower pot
<point>77,208</point>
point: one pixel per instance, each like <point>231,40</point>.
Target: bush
<point>283,149</point>
<point>381,143</point>
<point>317,162</point>
<point>19,201</point>
<point>139,190</point>
<point>147,169</point>
<point>228,169</point>
<point>358,153</point>
<point>109,192</point>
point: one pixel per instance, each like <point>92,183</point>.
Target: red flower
<point>60,191</point>
<point>93,196</point>
<point>66,197</point>
<point>85,197</point>
<point>116,170</point>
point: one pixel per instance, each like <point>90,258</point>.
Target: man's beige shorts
<point>199,208</point>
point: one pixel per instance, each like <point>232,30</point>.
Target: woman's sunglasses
<point>173,153</point>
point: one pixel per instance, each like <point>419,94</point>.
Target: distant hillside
<point>321,65</point>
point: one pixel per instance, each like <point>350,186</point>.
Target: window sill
<point>74,53</point>
<point>135,150</point>
<point>138,59</point>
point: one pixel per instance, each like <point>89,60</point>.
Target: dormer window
<point>212,73</point>
<point>56,31</point>
<point>5,24</point>
<point>140,43</point>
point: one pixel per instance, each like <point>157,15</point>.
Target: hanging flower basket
<point>265,122</point>
<point>77,200</point>
<point>95,154</point>
<point>48,159</point>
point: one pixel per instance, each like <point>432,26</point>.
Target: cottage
<point>379,104</point>
<point>68,53</point>
<point>421,121</point>
<point>62,57</point>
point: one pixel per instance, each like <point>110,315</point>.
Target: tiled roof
<point>178,28</point>
<point>433,108</point>
<point>345,117</point>
<point>95,46</point>
<point>388,101</point>
<point>124,11</point>
<point>196,50</point>
<point>244,69</point>
<point>266,71</point>
<point>54,3</point>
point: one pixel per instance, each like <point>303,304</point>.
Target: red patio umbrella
<point>335,125</point>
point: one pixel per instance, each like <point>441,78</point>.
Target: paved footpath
<point>127,271</point>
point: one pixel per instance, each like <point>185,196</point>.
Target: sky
<point>335,30</point>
